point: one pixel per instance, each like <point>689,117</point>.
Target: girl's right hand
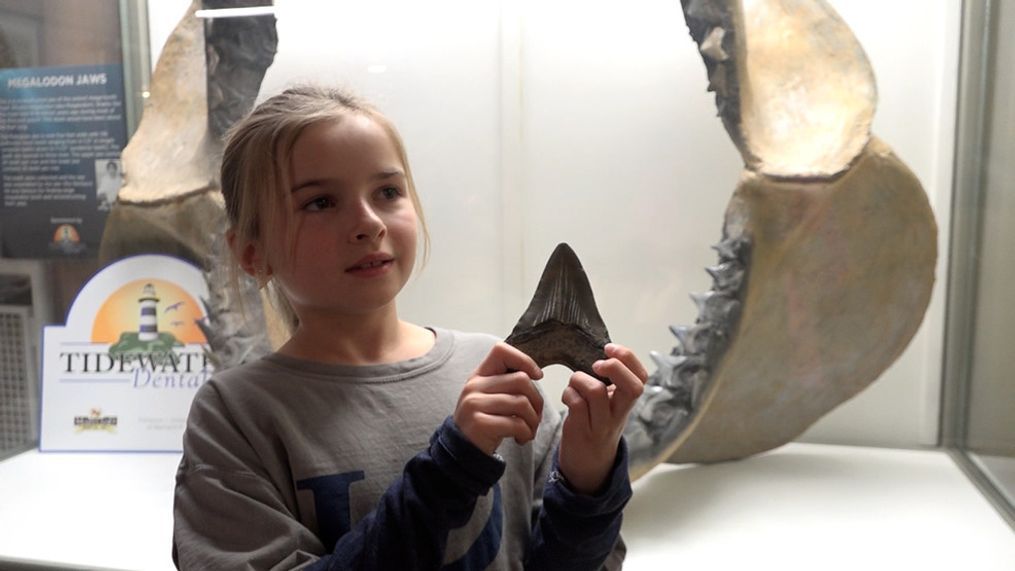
<point>499,401</point>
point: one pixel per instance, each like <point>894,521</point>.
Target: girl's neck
<point>358,340</point>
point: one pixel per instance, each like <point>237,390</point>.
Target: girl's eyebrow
<point>388,174</point>
<point>381,175</point>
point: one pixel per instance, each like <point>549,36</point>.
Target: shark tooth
<point>669,407</point>
<point>562,324</point>
<point>668,362</point>
<point>715,307</point>
<point>697,382</point>
<point>711,46</point>
<point>680,332</point>
<point>727,275</point>
<point>730,249</point>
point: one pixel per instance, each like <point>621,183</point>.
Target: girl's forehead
<point>352,142</point>
<point>351,134</point>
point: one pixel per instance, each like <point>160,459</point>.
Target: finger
<point>517,383</point>
<point>627,356</point>
<point>506,427</point>
<point>629,386</point>
<point>577,408</point>
<point>504,405</point>
<point>503,358</point>
<point>595,395</point>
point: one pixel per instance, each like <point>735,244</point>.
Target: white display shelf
<point>88,510</point>
<point>802,507</point>
<point>813,506</point>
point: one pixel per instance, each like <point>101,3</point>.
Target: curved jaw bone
<point>562,325</point>
<point>835,235</point>
<point>793,86</point>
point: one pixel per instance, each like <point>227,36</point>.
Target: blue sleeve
<point>435,494</point>
<point>576,531</point>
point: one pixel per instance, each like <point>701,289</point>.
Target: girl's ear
<point>250,256</point>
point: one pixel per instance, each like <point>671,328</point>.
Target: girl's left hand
<point>597,415</point>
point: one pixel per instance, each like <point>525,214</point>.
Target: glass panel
<point>980,366</point>
<point>62,97</point>
<point>991,423</point>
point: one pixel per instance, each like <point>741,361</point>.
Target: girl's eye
<point>319,203</point>
<point>391,192</point>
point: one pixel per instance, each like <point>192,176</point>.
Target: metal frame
<point>137,72</point>
<point>976,73</point>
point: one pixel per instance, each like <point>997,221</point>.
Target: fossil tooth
<point>669,407</point>
<point>716,307</point>
<point>670,362</point>
<point>672,368</point>
<point>731,249</point>
<point>727,275</point>
<point>702,300</point>
<point>698,339</point>
<point>562,324</point>
<point>717,80</point>
<point>680,332</point>
<point>687,374</point>
<point>697,381</point>
<point>684,338</point>
<point>702,11</point>
<point>711,46</point>
<point>680,372</point>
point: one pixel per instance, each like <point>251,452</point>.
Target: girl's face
<point>355,225</point>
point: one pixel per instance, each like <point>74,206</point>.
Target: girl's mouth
<point>371,267</point>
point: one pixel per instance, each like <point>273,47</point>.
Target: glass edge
<point>974,471</point>
<point>967,197</point>
<point>136,49</point>
<point>975,64</point>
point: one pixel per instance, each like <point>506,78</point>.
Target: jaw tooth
<point>711,46</point>
<point>715,307</point>
<point>697,382</point>
<point>727,275</point>
<point>703,300</point>
<point>669,362</point>
<point>680,332</point>
<point>683,335</point>
<point>731,249</point>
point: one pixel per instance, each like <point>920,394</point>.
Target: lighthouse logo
<point>148,316</point>
<point>133,353</point>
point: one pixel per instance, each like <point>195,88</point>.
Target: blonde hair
<point>255,170</point>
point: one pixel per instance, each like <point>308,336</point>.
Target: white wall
<point>530,123</point>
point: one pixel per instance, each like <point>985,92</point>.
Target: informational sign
<point>120,375</point>
<point>61,133</point>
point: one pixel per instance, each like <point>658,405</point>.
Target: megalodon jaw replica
<point>562,325</point>
<point>826,259</point>
<point>207,76</point>
<point>828,245</point>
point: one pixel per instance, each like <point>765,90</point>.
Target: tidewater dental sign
<point>120,375</point>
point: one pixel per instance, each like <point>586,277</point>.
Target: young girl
<point>338,451</point>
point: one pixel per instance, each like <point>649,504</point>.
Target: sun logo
<point>66,234</point>
<point>148,315</point>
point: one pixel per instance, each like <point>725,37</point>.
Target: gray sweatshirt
<point>297,464</point>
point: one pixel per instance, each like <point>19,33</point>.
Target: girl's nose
<point>368,226</point>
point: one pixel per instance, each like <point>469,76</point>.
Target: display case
<point>533,123</point>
